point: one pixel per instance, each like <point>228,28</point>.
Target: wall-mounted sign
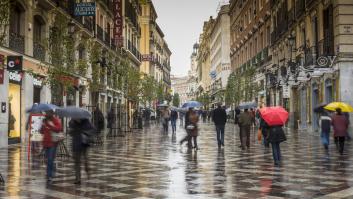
<point>85,9</point>
<point>118,23</point>
<point>37,82</point>
<point>285,91</point>
<point>146,57</point>
<point>15,76</point>
<point>14,63</point>
<point>1,76</point>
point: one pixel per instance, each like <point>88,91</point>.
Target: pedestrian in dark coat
<point>220,119</point>
<point>340,127</point>
<point>275,137</point>
<point>264,127</point>
<point>245,121</point>
<point>98,119</point>
<point>173,119</point>
<point>325,124</point>
<point>111,119</point>
<point>187,123</point>
<point>81,131</point>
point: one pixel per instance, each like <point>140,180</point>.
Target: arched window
<point>17,40</point>
<point>38,28</point>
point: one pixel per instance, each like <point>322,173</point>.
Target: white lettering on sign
<point>37,82</point>
<point>15,76</point>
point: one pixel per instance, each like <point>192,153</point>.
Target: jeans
<point>195,141</point>
<point>325,139</point>
<point>173,123</point>
<point>50,153</point>
<point>165,125</point>
<point>220,134</point>
<point>276,152</point>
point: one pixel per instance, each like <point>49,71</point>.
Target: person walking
<point>165,119</point>
<point>81,131</point>
<point>193,128</point>
<point>98,119</point>
<point>264,127</point>
<point>173,119</point>
<point>275,137</point>
<point>220,119</point>
<point>236,121</point>
<point>51,125</point>
<point>245,121</point>
<point>325,125</point>
<point>187,122</point>
<point>340,127</point>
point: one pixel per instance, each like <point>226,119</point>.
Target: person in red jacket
<point>51,124</point>
<point>340,126</point>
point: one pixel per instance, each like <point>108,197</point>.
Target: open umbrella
<point>162,105</point>
<point>343,106</point>
<point>247,105</point>
<point>73,112</point>
<point>37,108</point>
<point>192,104</point>
<point>274,116</point>
<point>320,108</point>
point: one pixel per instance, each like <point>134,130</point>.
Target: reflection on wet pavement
<point>152,164</point>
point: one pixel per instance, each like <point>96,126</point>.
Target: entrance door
<point>14,128</point>
<point>315,100</point>
<point>303,113</point>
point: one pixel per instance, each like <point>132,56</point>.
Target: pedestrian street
<point>151,164</point>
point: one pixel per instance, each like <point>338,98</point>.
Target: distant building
<point>180,85</point>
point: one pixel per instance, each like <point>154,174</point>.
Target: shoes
<point>78,182</point>
<point>49,181</point>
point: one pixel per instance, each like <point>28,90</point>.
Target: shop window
<point>14,128</point>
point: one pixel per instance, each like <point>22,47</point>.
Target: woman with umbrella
<point>340,127</point>
<point>275,117</point>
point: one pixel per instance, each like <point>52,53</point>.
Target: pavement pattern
<point>151,164</point>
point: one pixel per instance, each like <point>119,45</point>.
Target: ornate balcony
<point>17,42</point>
<point>325,48</point>
<point>38,51</point>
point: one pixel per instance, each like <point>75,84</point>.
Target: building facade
<point>180,85</point>
<point>88,57</point>
<point>220,55</point>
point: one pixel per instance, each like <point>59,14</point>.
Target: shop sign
<point>15,76</point>
<point>14,63</point>
<point>85,9</point>
<point>285,91</point>
<point>1,76</point>
<point>146,57</point>
<point>37,82</point>
<point>2,60</point>
<point>118,22</point>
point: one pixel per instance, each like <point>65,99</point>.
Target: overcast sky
<point>181,22</point>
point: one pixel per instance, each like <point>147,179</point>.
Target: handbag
<point>190,127</point>
<point>57,137</point>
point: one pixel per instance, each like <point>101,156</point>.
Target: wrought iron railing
<point>17,42</point>
<point>38,51</point>
<point>106,39</point>
<point>325,48</point>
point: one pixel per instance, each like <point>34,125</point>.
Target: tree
<point>230,91</point>
<point>160,92</point>
<point>176,100</point>
<point>148,89</point>
<point>4,19</point>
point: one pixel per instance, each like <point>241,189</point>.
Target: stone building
<point>220,55</point>
<point>30,25</point>
<point>180,85</point>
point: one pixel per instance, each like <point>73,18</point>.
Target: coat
<point>276,134</point>
<point>340,125</point>
<point>173,115</point>
<point>265,128</point>
<point>325,124</point>
<point>219,116</point>
<point>245,119</point>
<point>193,120</point>
<point>76,131</point>
<point>49,126</point>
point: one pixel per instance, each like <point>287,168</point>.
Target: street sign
<point>85,9</point>
<point>118,23</point>
<point>14,63</point>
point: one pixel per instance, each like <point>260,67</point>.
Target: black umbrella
<point>320,108</point>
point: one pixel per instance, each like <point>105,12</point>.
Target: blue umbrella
<point>192,104</point>
<point>247,105</point>
<point>73,112</point>
<point>37,108</point>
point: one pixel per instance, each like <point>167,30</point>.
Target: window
<point>15,19</point>
<point>38,26</point>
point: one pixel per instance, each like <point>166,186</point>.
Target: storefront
<point>14,93</point>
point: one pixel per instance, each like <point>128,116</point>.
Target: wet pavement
<point>151,164</point>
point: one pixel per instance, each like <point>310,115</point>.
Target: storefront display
<point>14,129</point>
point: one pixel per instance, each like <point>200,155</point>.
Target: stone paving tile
<point>151,164</point>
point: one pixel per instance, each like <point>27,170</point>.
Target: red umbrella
<point>274,116</point>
